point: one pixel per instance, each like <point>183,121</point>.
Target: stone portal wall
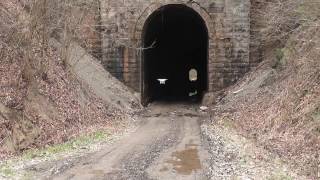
<point>228,23</point>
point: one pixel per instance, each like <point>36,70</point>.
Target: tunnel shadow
<point>175,40</point>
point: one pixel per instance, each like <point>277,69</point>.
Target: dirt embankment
<point>42,101</point>
<point>278,103</point>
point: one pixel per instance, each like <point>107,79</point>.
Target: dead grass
<point>279,108</point>
<point>37,87</point>
<point>19,167</point>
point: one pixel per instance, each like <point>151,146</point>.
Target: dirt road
<point>172,142</point>
<point>166,146</point>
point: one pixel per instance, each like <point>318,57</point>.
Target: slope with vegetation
<point>43,101</point>
<point>48,94</point>
<point>277,104</point>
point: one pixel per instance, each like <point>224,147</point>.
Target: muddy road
<point>167,145</point>
<point>172,142</point>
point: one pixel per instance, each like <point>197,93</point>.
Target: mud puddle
<point>187,161</point>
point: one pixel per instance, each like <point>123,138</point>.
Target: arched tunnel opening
<point>175,55</point>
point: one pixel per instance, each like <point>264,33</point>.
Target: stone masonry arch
<point>205,15</point>
<point>187,30</point>
<point>138,28</point>
<point>227,21</point>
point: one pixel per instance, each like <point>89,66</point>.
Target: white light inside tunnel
<point>193,75</point>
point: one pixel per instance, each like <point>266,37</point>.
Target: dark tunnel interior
<point>175,41</point>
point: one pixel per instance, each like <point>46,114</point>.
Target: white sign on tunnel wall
<point>162,81</point>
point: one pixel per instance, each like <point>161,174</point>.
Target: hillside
<point>54,91</point>
<point>277,104</point>
<point>43,101</point>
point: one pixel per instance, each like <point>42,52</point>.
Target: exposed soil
<point>46,96</point>
<point>278,105</point>
<point>171,143</point>
<point>275,106</point>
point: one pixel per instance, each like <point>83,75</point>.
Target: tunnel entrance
<point>175,55</point>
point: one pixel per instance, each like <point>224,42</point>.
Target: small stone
<point>203,108</point>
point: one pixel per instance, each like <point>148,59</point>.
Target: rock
<point>203,108</point>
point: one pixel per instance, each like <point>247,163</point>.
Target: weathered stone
<point>228,23</point>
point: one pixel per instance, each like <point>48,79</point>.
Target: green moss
<point>280,176</point>
<point>279,54</point>
<point>28,176</point>
<point>308,11</point>
<point>73,144</point>
<point>316,117</point>
<point>6,171</point>
<point>316,114</point>
<point>279,61</point>
<point>228,123</point>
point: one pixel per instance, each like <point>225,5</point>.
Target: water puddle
<point>187,161</point>
<point>189,115</point>
<point>152,115</point>
<point>97,172</point>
